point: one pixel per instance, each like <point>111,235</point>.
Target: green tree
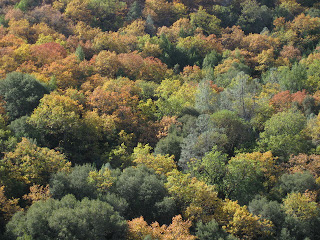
<point>294,79</point>
<point>210,24</point>
<point>284,134</point>
<point>21,93</point>
<point>135,11</point>
<point>211,168</point>
<point>297,182</point>
<point>68,219</point>
<point>75,182</point>
<point>212,231</point>
<point>146,195</point>
<point>254,17</point>
<point>80,53</point>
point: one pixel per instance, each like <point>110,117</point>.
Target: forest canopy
<point>160,119</point>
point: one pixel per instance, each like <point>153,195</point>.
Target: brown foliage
<point>304,162</point>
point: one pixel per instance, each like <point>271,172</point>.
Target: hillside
<point>155,119</point>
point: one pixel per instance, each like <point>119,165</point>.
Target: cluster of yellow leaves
<point>7,206</point>
<point>300,206</point>
<point>37,193</point>
<point>32,164</point>
<point>240,222</point>
<point>199,201</point>
<point>162,164</point>
<point>103,179</point>
<point>177,230</point>
<point>264,162</point>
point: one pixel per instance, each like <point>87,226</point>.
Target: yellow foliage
<point>32,164</point>
<point>300,206</point>
<point>103,179</point>
<point>162,164</point>
<point>199,201</point>
<point>240,222</point>
<point>7,206</point>
<point>177,230</point>
<point>37,193</point>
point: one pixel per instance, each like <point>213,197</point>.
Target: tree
<point>68,219</point>
<point>305,163</point>
<point>135,11</point>
<point>271,210</point>
<point>29,163</point>
<point>177,230</point>
<point>249,174</point>
<point>76,182</point>
<point>237,130</point>
<point>80,53</point>
<point>145,193</point>
<point>294,79</point>
<point>297,182</point>
<point>211,168</point>
<point>7,208</point>
<point>206,22</point>
<point>62,123</point>
<point>202,137</point>
<point>238,221</point>
<point>207,98</point>
<point>240,95</point>
<point>284,134</point>
<point>197,200</point>
<point>254,17</point>
<point>22,93</point>
<point>212,231</point>
<point>161,164</point>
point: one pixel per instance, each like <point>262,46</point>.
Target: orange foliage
<point>232,37</point>
<point>283,100</point>
<point>8,207</point>
<point>37,193</point>
<point>47,53</point>
<point>165,124</point>
<point>291,53</point>
<point>303,162</point>
<point>177,230</point>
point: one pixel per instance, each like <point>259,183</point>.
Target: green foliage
<point>244,179</point>
<point>22,93</point>
<point>254,17</point>
<point>284,134</point>
<point>145,194</point>
<point>206,22</point>
<point>80,53</point>
<point>211,60</point>
<point>135,11</point>
<point>68,219</point>
<point>271,210</point>
<point>297,182</point>
<point>238,131</point>
<point>202,137</point>
<point>294,79</point>
<point>76,183</point>
<point>212,231</point>
<point>169,145</point>
<point>211,168</point>
<point>206,99</point>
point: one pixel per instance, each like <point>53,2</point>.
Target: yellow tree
<point>32,164</point>
<point>162,164</point>
<point>198,200</point>
<point>177,230</point>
